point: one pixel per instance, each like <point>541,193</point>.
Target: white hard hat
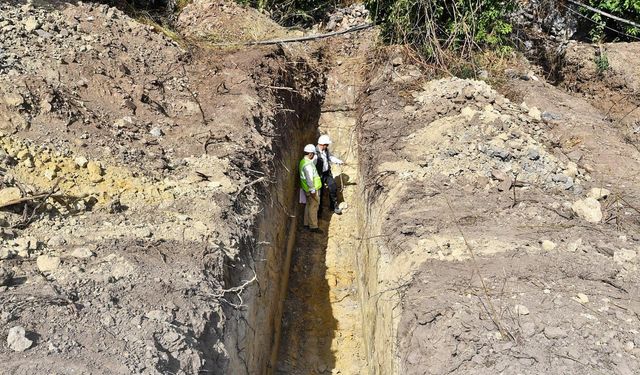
<point>324,140</point>
<point>309,148</point>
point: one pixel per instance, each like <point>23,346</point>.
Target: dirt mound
<point>218,21</point>
<point>133,180</point>
<point>452,169</point>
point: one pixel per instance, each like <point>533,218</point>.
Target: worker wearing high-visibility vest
<point>311,184</point>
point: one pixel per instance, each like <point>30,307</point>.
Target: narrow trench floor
<point>322,322</point>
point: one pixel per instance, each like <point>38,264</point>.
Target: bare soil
<point>483,276</point>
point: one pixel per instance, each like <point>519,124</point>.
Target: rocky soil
<point>504,233</point>
<point>131,180</point>
<point>148,211</point>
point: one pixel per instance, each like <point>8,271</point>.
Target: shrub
<point>600,28</point>
<point>440,29</point>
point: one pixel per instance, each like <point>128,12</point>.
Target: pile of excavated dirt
<point>226,22</point>
<point>137,185</point>
<point>490,245</point>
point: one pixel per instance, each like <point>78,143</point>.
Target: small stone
<point>535,113</point>
<point>95,171</point>
<point>598,193</point>
<point>533,154</point>
<point>31,24</point>
<point>53,348</point>
<point>23,155</point>
<point>560,177</point>
<point>17,340</point>
<point>14,99</point>
<point>146,233</point>
<point>548,245</point>
<point>50,174</point>
<point>554,332</point>
<point>625,256</point>
<point>629,346</point>
<point>82,252</point>
<point>582,298</point>
<point>47,263</point>
<point>571,170</point>
<point>81,161</point>
<point>5,253</point>
<point>156,132</point>
<point>56,241</point>
<point>574,246</point>
<point>499,175</point>
<point>6,275</point>
<point>9,194</point>
<point>469,92</point>
<point>550,116</point>
<point>396,61</point>
<point>588,209</point>
<point>521,310</point>
<point>107,320</point>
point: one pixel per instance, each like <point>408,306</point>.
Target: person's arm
<point>335,160</point>
<point>308,175</point>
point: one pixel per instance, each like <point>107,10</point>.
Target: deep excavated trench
<point>322,325</point>
<point>304,314</point>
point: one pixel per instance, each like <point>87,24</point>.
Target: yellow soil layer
<point>41,168</point>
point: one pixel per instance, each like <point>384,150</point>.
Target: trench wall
<point>253,336</point>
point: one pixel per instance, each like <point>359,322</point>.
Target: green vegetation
<point>445,30</point>
<point>602,62</point>
<point>601,29</point>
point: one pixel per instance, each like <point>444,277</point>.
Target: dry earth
<point>477,259</point>
<point>148,204</point>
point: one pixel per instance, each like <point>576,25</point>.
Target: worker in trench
<point>311,185</point>
<point>323,161</point>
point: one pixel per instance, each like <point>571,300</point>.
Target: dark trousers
<point>329,185</point>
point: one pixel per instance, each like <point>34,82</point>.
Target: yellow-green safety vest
<point>317,182</point>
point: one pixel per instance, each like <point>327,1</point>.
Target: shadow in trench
<point>308,324</point>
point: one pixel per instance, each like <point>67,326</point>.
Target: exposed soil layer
<point>169,168</point>
<point>322,324</point>
<point>452,169</point>
<point>148,205</point>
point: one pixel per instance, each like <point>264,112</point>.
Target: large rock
<point>9,194</point>
<point>48,263</point>
<point>17,341</point>
<point>588,209</point>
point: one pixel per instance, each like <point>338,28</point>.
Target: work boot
<point>337,211</point>
<point>316,230</point>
